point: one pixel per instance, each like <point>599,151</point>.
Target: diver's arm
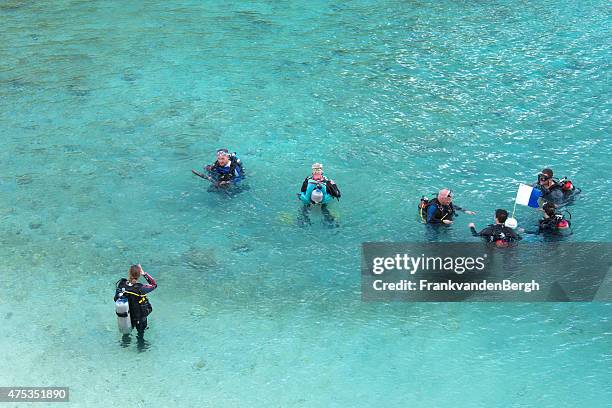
<point>463,210</point>
<point>151,286</point>
<point>485,232</point>
<point>304,185</point>
<point>333,189</point>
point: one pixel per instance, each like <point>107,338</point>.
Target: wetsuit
<point>548,226</point>
<point>330,190</point>
<point>233,171</point>
<point>554,193</point>
<point>496,232</point>
<point>437,212</point>
<point>137,316</point>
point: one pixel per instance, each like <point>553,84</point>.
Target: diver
<point>553,222</point>
<point>497,233</point>
<point>441,209</point>
<point>134,313</point>
<point>226,171</point>
<point>318,190</point>
<point>559,192</point>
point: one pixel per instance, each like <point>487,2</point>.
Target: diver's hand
<point>447,222</point>
<point>471,225</point>
<point>470,212</point>
<point>208,167</point>
<point>142,272</point>
<point>222,183</point>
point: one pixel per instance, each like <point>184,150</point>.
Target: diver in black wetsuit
<point>441,209</point>
<point>555,191</point>
<point>497,233</point>
<point>553,222</point>
<point>139,305</point>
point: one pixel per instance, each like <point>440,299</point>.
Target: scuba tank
<point>500,243</point>
<point>423,207</point>
<point>556,221</point>
<point>424,203</point>
<point>562,223</point>
<point>501,237</point>
<point>122,309</point>
<point>566,185</point>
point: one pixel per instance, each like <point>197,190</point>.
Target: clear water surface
<point>106,106</point>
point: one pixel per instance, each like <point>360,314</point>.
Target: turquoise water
<point>106,106</point>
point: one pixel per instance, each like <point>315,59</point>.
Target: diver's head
<point>223,157</point>
<point>317,195</point>
<point>545,177</point>
<point>445,196</point>
<point>317,171</point>
<point>134,273</point>
<point>501,216</point>
<point>549,210</point>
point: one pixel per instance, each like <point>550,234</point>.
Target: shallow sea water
<point>106,106</point>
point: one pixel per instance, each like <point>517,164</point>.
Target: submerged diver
<point>318,190</point>
<point>553,222</point>
<point>441,209</point>
<point>226,171</point>
<point>132,305</point>
<point>558,192</point>
<point>497,233</point>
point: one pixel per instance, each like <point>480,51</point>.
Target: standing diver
<point>226,171</point>
<point>558,192</point>
<point>553,222</point>
<point>441,209</point>
<point>134,294</point>
<point>318,190</point>
<point>497,233</point>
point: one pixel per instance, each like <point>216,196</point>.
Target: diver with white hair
<point>318,190</point>
<point>440,210</point>
<point>225,172</point>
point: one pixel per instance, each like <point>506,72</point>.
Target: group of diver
<point>555,194</point>
<point>227,172</point>
<point>318,191</point>
<point>133,307</point>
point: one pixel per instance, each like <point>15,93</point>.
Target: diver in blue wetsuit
<point>318,190</point>
<point>226,171</point>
